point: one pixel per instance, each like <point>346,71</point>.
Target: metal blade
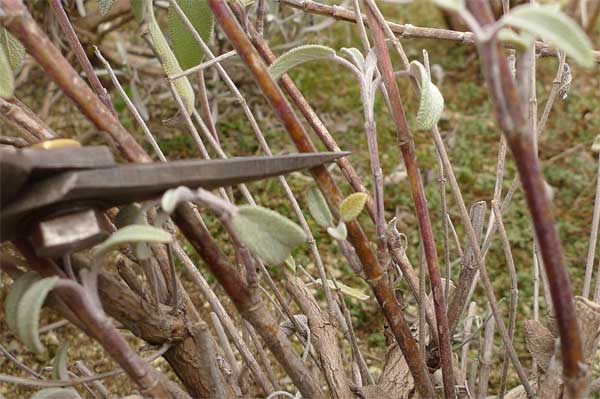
<point>19,167</point>
<point>137,182</point>
<point>124,184</point>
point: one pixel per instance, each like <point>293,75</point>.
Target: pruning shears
<point>55,196</point>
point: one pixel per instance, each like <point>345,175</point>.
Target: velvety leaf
<point>431,105</point>
<point>352,292</point>
<point>186,48</point>
<point>318,208</point>
<point>453,5</point>
<point>28,312</point>
<point>371,63</point>
<point>7,79</point>
<point>168,60</point>
<point>139,8</point>
<point>134,233</point>
<point>104,6</point>
<point>339,233</point>
<point>15,52</point>
<point>266,233</point>
<point>352,206</point>
<point>297,56</point>
<point>14,297</point>
<point>172,198</point>
<point>555,28</point>
<point>60,370</point>
<point>357,57</point>
<point>521,41</point>
<point>56,393</point>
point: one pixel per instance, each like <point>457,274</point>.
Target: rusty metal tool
<point>54,196</point>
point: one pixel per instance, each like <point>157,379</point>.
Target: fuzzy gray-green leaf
<point>168,60</point>
<point>352,206</point>
<point>452,5</point>
<point>15,52</point>
<point>135,233</point>
<point>297,56</point>
<point>318,208</point>
<point>520,41</point>
<point>339,233</point>
<point>14,296</point>
<point>173,197</point>
<point>7,79</point>
<point>28,312</point>
<point>266,233</point>
<point>104,6</point>
<point>139,8</point>
<point>56,393</point>
<point>431,105</point>
<point>60,370</point>
<point>186,48</point>
<point>555,28</point>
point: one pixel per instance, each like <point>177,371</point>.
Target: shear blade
<point>123,184</point>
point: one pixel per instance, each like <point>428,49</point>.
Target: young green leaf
<point>60,370</point>
<point>56,393</point>
<point>104,6</point>
<point>431,105</point>
<point>15,52</point>
<point>14,297</point>
<point>134,233</point>
<point>186,48</point>
<point>352,206</point>
<point>171,198</point>
<point>28,312</point>
<point>266,233</point>
<point>297,56</point>
<point>352,292</point>
<point>318,208</point>
<point>339,233</point>
<point>7,79</point>
<point>555,28</point>
<point>452,5</point>
<point>168,60</point>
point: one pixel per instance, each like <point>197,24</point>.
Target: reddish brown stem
<point>251,308</point>
<point>373,270</point>
<point>509,113</point>
<point>101,329</point>
<point>67,28</point>
<point>410,161</point>
<point>20,23</point>
<point>314,121</point>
